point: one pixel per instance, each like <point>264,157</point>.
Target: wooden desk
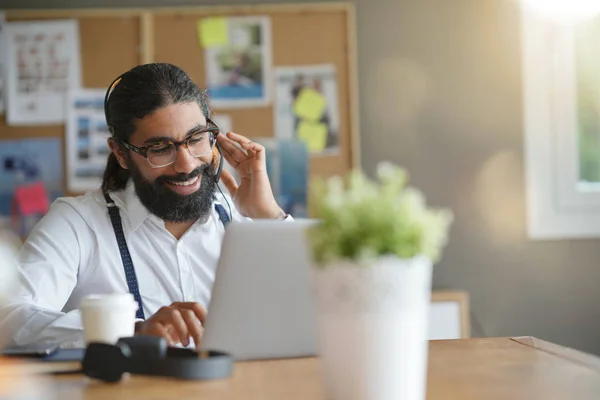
<point>499,368</point>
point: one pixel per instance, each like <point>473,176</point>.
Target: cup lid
<point>109,299</point>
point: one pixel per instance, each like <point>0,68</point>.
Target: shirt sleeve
<point>48,265</point>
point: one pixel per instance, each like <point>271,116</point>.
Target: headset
<point>219,153</point>
<point>148,355</point>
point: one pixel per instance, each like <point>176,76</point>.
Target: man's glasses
<point>164,153</point>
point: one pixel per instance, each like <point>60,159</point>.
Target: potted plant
<point>373,249</point>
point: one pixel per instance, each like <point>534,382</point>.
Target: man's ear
<point>119,152</point>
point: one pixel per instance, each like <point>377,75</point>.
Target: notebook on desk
<point>46,358</point>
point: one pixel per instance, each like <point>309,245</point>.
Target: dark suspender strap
<point>223,216</point>
<point>132,282</point>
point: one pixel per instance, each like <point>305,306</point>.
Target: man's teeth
<point>186,183</point>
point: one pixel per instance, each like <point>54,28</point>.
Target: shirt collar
<point>135,210</point>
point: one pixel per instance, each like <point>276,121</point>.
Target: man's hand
<point>176,323</point>
<point>254,196</point>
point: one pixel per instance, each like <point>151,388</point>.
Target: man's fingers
<point>165,331</point>
<point>158,329</point>
<point>231,151</point>
<point>252,146</point>
<point>174,318</point>
<point>229,157</point>
<point>197,308</point>
<point>229,182</point>
<point>193,324</point>
<point>237,138</point>
<point>177,323</point>
<point>257,151</point>
<point>237,148</point>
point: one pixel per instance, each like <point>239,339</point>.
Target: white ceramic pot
<point>372,328</point>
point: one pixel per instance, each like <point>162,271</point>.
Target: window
<point>561,80</point>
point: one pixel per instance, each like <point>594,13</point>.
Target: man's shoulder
<point>84,205</point>
<point>71,213</point>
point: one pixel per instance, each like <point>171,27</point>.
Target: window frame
<point>558,207</point>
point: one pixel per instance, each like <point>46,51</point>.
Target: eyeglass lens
<point>198,145</point>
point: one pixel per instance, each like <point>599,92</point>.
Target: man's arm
<point>48,267</point>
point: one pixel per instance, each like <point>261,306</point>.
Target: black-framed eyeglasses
<point>164,153</point>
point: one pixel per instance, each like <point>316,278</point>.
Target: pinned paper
<point>309,104</point>
<point>315,90</point>
<point>31,199</point>
<point>48,65</point>
<point>212,32</point>
<point>314,134</point>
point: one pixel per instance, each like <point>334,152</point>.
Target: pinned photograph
<point>306,107</point>
<point>86,139</point>
<point>42,65</point>
<point>31,177</point>
<point>237,54</point>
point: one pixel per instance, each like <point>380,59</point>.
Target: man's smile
<point>185,187</point>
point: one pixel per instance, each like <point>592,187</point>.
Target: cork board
<point>295,42</point>
<point>108,45</point>
<point>114,40</point>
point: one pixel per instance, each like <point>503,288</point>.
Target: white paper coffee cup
<point>108,317</point>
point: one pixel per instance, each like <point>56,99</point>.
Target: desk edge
<point>578,357</point>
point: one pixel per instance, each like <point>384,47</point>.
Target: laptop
<point>262,305</point>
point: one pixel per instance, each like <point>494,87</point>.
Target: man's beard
<point>170,206</point>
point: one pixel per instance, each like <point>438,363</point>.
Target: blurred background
<point>440,92</point>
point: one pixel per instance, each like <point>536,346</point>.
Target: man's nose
<point>184,161</point>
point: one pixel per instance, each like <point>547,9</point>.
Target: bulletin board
<point>114,40</point>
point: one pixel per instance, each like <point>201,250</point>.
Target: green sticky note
<point>309,104</point>
<point>314,134</point>
<point>212,32</point>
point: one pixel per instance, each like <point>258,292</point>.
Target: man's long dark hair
<point>140,92</point>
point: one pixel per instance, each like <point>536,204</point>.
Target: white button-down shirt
<point>73,252</point>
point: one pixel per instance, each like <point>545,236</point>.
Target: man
<point>155,227</point>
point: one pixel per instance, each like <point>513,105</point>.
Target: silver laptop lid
<point>261,305</point>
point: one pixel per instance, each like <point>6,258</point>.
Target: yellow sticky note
<point>314,134</point>
<point>309,104</point>
<point>212,32</point>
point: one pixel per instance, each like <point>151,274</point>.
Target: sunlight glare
<point>565,10</point>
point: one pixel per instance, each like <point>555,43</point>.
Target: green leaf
<point>360,218</point>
